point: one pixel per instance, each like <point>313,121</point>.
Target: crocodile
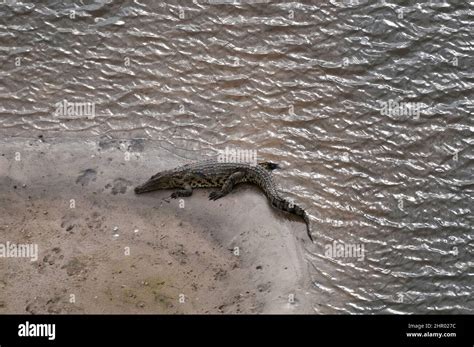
<point>212,173</point>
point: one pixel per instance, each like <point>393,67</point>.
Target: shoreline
<point>103,249</point>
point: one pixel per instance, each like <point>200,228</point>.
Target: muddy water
<point>367,105</point>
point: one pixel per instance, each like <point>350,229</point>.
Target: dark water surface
<point>311,85</point>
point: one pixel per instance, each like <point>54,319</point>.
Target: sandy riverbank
<point>102,249</point>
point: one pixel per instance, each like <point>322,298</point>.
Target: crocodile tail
<point>301,212</point>
<point>308,225</point>
<point>293,208</point>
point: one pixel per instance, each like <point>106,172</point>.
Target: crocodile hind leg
<point>269,165</point>
<point>227,187</point>
<point>187,191</point>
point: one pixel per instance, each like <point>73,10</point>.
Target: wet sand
<point>103,249</point>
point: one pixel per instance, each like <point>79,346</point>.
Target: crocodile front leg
<point>228,185</point>
<point>187,191</point>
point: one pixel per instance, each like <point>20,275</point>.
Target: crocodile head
<point>162,180</point>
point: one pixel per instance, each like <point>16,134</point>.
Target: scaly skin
<point>211,173</point>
